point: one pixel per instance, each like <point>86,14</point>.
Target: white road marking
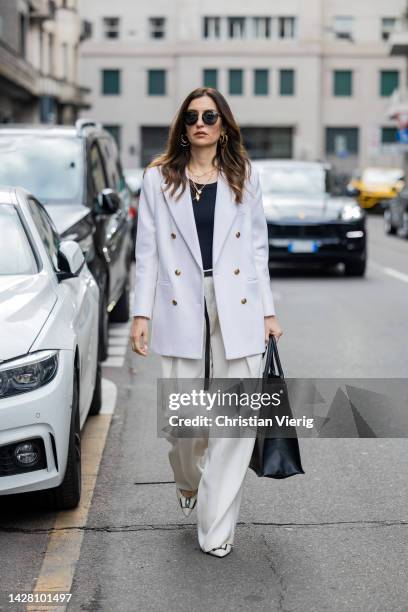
<point>118,340</point>
<point>113,362</point>
<point>123,330</point>
<point>109,395</point>
<point>117,350</point>
<point>391,272</point>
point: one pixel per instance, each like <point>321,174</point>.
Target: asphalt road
<point>334,539</point>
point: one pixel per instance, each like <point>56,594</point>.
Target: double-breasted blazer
<point>169,278</point>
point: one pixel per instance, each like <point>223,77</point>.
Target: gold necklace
<point>199,191</point>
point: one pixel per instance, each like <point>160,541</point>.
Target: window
<point>286,27</point>
<point>46,229</point>
<point>65,60</point>
<point>387,26</point>
<point>115,131</point>
<point>157,27</point>
<point>210,77</point>
<point>23,34</point>
<point>342,141</point>
<point>389,80</point>
<point>261,84</point>
<point>388,135</point>
<point>261,27</point>
<point>97,170</point>
<point>110,27</point>
<point>342,83</point>
<point>268,142</point>
<point>211,27</point>
<point>156,82</point>
<point>235,81</point>
<point>111,82</point>
<point>50,53</point>
<point>287,82</point>
<point>236,27</point>
<point>343,27</point>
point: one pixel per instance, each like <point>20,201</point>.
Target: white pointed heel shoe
<point>187,504</point>
<point>221,551</point>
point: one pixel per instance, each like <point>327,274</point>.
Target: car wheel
<point>68,494</point>
<point>355,268</point>
<point>121,312</point>
<point>103,327</point>
<point>388,226</point>
<point>96,403</point>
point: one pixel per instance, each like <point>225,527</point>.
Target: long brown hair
<point>232,158</point>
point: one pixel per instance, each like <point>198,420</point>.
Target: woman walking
<point>202,276</point>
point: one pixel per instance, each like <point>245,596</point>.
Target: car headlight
<point>351,212</point>
<point>27,373</point>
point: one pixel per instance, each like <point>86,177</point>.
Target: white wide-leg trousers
<point>215,466</point>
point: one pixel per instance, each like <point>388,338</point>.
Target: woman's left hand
<point>272,327</point>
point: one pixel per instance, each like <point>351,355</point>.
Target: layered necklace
<point>198,191</point>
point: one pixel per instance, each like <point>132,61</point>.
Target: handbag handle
<point>272,352</point>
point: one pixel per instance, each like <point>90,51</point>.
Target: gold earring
<point>223,139</point>
<point>184,141</point>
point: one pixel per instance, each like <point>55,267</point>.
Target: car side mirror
<point>108,201</point>
<point>70,260</point>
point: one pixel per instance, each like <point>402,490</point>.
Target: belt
<point>208,272</point>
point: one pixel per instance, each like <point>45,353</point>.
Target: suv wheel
<point>68,494</point>
<point>121,312</point>
<point>355,268</point>
<point>103,327</point>
<point>96,403</point>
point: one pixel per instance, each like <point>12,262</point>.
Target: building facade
<point>39,41</point>
<point>306,80</point>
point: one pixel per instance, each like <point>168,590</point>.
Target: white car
<point>50,377</point>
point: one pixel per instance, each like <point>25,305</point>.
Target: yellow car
<point>376,185</point>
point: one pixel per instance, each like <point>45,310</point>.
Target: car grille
<point>318,230</point>
<point>7,465</point>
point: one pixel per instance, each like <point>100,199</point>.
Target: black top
<point>204,211</point>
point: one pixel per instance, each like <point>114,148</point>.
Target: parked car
<point>134,179</point>
<point>75,172</point>
<point>376,186</point>
<point>50,376</point>
<point>306,223</point>
<point>396,215</point>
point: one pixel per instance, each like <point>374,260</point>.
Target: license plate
<point>302,246</point>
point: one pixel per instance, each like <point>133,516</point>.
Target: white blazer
<point>169,278</point>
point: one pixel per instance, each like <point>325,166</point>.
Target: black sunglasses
<point>209,117</point>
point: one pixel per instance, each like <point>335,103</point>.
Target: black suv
<point>75,171</point>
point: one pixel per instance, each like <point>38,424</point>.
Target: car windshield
<point>16,255</point>
<point>280,179</point>
<point>380,176</point>
<point>51,168</point>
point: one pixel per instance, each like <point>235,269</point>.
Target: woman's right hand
<point>139,335</point>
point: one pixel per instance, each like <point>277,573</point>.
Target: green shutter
<point>111,82</point>
<point>157,82</point>
<point>287,82</point>
<point>388,135</point>
<point>210,77</point>
<point>389,80</point>
<point>261,82</point>
<point>235,82</point>
<point>343,83</point>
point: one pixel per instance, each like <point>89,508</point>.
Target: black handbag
<point>275,457</point>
